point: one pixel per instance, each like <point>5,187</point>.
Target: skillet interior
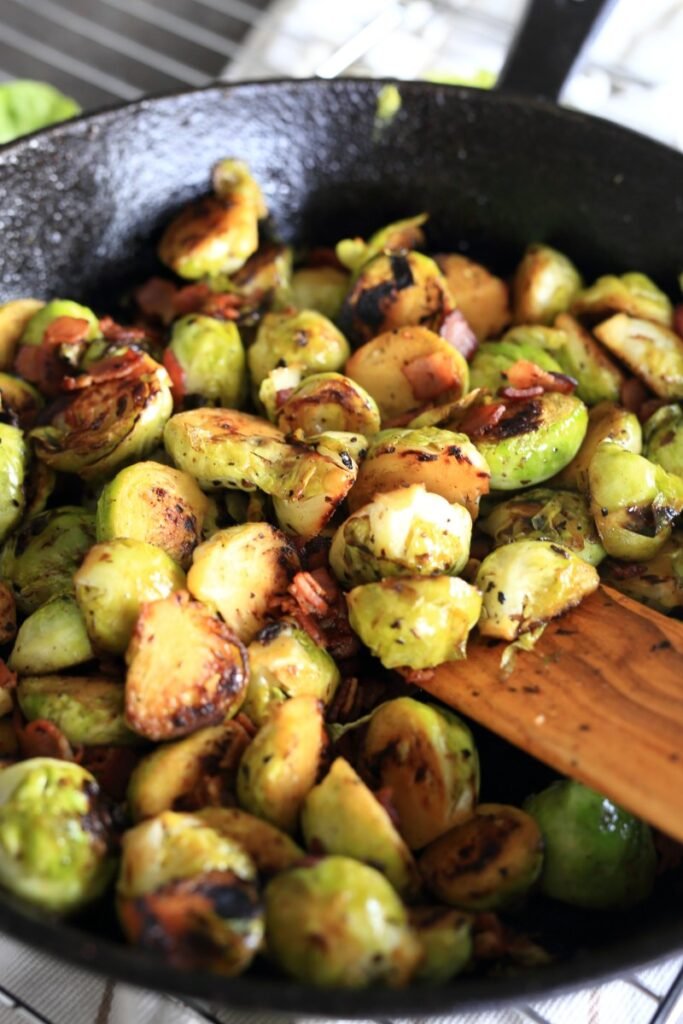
<point>80,208</point>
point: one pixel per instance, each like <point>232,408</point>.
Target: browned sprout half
<point>481,297</point>
<point>329,401</point>
<point>650,350</point>
<point>657,582</point>
<point>607,421</point>
<point>631,293</point>
<point>301,338</point>
<point>545,284</point>
<point>271,850</point>
<point>14,316</point>
<point>185,669</point>
<point>446,939</point>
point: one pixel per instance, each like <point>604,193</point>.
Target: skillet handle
<point>548,43</point>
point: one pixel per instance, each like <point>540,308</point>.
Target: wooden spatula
<point>600,699</point>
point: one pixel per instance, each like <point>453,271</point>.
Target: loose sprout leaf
<point>26,106</point>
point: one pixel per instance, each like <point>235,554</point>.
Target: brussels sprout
<point>393,290</point>
<point>545,284</point>
<point>339,923</point>
<point>446,939</point>
<point>185,669</point>
<point>487,862</point>
<point>633,501</point>
<point>40,486</point>
<point>217,233</point>
<point>534,440</point>
<point>154,503</point>
<point>48,550</point>
<point>14,316</point>
<point>354,253</point>
<point>598,377</point>
<point>285,662</point>
<point>408,368</point>
<point>331,475</point>
<point>320,288</point>
<point>210,358</point>
<point>13,464</point>
<point>415,621</point>
<point>354,445</point>
<point>8,614</point>
<point>606,422</point>
<point>276,388</point>
<point>264,280</point>
<point>55,834</point>
<point>657,582</point>
<point>663,433</point>
<point>596,854</point>
<point>281,764</point>
<point>653,352</point>
<point>528,582</point>
<point>445,462</point>
<point>240,572</point>
<point>481,297</point>
<point>405,532</point>
<point>301,338</point>
<point>108,424</point>
<point>35,328</point>
<point>634,294</point>
<point>116,577</point>
<point>21,400</point>
<point>451,415</point>
<point>329,401</point>
<point>194,772</point>
<point>341,816</point>
<point>51,638</point>
<point>271,850</point>
<point>543,514</point>
<point>493,359</point>
<point>189,893</point>
<point>87,709</point>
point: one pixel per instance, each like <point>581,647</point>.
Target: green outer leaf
<point>26,106</point>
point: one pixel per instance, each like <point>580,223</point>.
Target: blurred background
<point>105,51</point>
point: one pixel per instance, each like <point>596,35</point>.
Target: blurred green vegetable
<point>26,106</point>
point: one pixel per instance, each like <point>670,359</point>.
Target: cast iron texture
<point>82,204</point>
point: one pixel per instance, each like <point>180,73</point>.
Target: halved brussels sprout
<point>186,669</point>
<point>300,338</point>
<point>108,424</point>
<point>426,756</point>
<point>596,854</point>
<point>240,572</point>
<point>284,662</point>
<point>277,387</point>
<point>197,771</point>
<point>40,486</point>
<point>14,316</point>
<point>480,296</point>
<point>52,638</point>
<point>598,377</point>
<point>339,923</point>
<point>329,401</point>
<point>397,289</point>
<point>545,284</point>
<point>271,850</point>
<point>405,532</point>
<point>528,582</point>
<point>331,475</point>
<point>36,326</point>
<point>8,614</point>
<point>342,816</point>
<point>210,359</point>
<point>56,836</point>
<point>154,503</point>
<point>651,351</point>
<point>281,764</point>
<point>487,862</point>
<point>20,399</point>
<point>562,517</point>
<point>445,462</point>
<point>663,433</point>
<point>13,465</point>
<point>354,253</point>
<point>320,288</point>
<point>446,939</point>
<point>114,581</point>
<point>633,293</point>
<point>634,502</point>
<point>217,233</point>
<point>657,582</point>
<point>408,368</point>
<point>263,281</point>
<point>606,422</point>
<point>87,709</point>
<point>354,445</point>
<point>415,621</point>
<point>492,360</point>
<point>534,440</point>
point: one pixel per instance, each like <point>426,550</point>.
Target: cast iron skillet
<point>82,204</point>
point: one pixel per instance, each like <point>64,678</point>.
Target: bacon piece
<point>481,418</point>
<point>324,257</point>
<point>125,334</point>
<point>678,319</point>
<point>118,367</point>
<point>41,365</point>
<point>458,333</point>
<point>222,305</point>
<point>155,298</point>
<point>523,374</point>
<point>111,766</point>
<point>385,797</point>
<point>650,407</point>
<point>42,738</point>
<point>177,375</point>
<point>633,394</point>
<point>430,375</point>
<point>66,330</point>
<point>190,298</point>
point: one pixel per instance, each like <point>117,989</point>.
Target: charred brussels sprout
<point>302,338</point>
<point>634,294</point>
<point>493,359</point>
<point>487,862</point>
<point>19,400</point>
<point>446,939</point>
<point>528,582</point>
<point>13,465</point>
<point>606,422</point>
<point>393,290</point>
<point>219,232</point>
<point>561,517</point>
<point>329,401</point>
<point>653,352</point>
<point>52,638</point>
<point>415,621</point>
<point>210,359</point>
<point>663,434</point>
<point>339,923</point>
<point>34,330</point>
<point>354,253</point>
<point>426,756</point>
<point>14,316</point>
<point>534,440</point>
<point>154,503</point>
<point>263,281</point>
<point>113,582</point>
<point>55,834</point>
<point>596,854</point>
<point>285,662</point>
<point>598,378</point>
<point>271,850</point>
<point>276,388</point>
<point>331,475</point>
<point>545,284</point>
<point>281,764</point>
<point>656,582</point>
<point>87,709</point>
<point>406,532</point>
<point>319,288</point>
<point>481,297</point>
